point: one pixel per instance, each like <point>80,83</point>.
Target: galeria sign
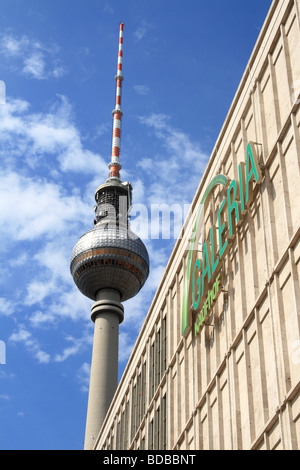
<point>203,278</point>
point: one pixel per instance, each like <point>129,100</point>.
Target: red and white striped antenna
<point>115,165</point>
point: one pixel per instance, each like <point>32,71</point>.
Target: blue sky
<point>182,63</point>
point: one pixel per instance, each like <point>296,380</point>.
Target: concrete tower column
<point>107,314</point>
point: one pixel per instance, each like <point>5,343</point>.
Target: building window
<point>164,424</point>
<point>158,358</point>
<point>138,407</point>
<point>151,435</point>
<point>152,370</point>
<point>133,410</point>
<point>164,345</point>
<point>144,388</point>
<point>142,384</point>
<point>157,429</point>
<point>122,422</point>
<point>126,431</point>
<point>124,428</point>
<point>118,436</point>
<point>139,400</point>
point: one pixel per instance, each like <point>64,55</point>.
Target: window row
<point>139,398</point>
<point>110,262</point>
<point>109,251</point>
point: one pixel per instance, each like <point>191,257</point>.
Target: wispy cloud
<point>44,210</point>
<point>35,65</point>
<point>76,345</point>
<point>11,46</point>
<point>108,8</point>
<point>142,30</point>
<point>142,89</point>
<point>22,335</point>
<point>7,307</point>
<point>83,376</point>
<point>31,58</point>
<point>4,397</point>
<point>38,135</point>
<point>2,92</point>
<point>181,160</point>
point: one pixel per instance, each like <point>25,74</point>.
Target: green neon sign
<point>202,277</point>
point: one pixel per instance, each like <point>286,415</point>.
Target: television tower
<point>109,264</point>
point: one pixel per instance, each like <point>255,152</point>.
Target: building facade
<point>217,362</point>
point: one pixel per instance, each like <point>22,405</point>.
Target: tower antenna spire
<point>115,165</point>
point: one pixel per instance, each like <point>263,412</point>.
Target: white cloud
<point>32,207</point>
<point>31,344</point>
<point>19,261</point>
<point>158,121</point>
<point>51,290</point>
<point>35,65</point>
<point>76,345</point>
<point>52,257</point>
<point>40,136</point>
<point>181,160</point>
<point>31,58</point>
<point>126,343</point>
<point>21,336</point>
<point>142,89</point>
<point>70,303</point>
<point>140,31</point>
<point>11,122</point>
<point>40,318</point>
<point>108,8</point>
<point>7,307</point>
<point>55,300</point>
<point>70,350</point>
<point>2,92</point>
<point>42,357</point>
<point>83,376</point>
<point>4,397</point>
<point>58,71</point>
<point>11,46</point>
<point>37,291</point>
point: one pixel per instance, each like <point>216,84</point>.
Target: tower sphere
<point>110,258</point>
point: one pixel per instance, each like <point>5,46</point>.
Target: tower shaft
<point>107,313</point>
